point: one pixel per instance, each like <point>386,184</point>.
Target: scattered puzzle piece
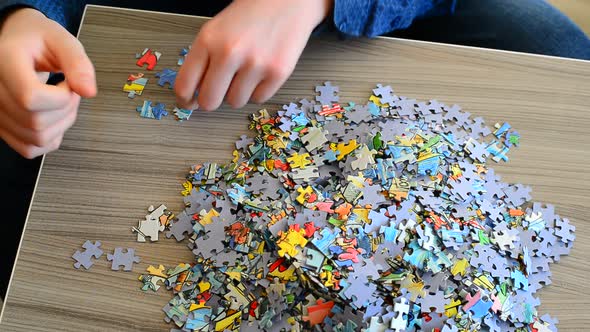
<point>125,259</point>
<point>167,76</point>
<point>149,58</point>
<point>85,258</point>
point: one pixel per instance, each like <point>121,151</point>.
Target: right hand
<point>33,115</point>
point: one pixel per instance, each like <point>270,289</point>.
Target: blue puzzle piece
<point>167,76</point>
<point>159,110</point>
<point>331,155</point>
<point>389,233</point>
<point>374,109</point>
<point>497,152</point>
<point>520,280</point>
<point>145,110</point>
<point>501,130</point>
<point>300,119</point>
<point>481,308</point>
<point>182,114</point>
<point>324,242</point>
<point>429,166</point>
<point>199,319</point>
<point>418,257</point>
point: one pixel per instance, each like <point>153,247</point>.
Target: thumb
<point>70,57</point>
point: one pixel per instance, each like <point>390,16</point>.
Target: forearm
<point>65,12</point>
<point>375,17</point>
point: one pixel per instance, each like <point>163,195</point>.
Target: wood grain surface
<point>114,164</point>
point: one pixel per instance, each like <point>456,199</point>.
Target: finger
<point>60,127</point>
<point>42,137</point>
<point>218,77</point>
<point>189,77</point>
<point>275,78</point>
<point>265,90</point>
<point>68,53</point>
<point>24,87</point>
<point>243,85</point>
<point>35,137</point>
<point>30,119</point>
<point>28,151</point>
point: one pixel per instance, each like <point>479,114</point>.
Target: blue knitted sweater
<point>352,17</point>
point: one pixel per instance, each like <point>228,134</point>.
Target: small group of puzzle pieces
<point>119,258</point>
<point>136,84</point>
<point>155,221</point>
<point>378,216</point>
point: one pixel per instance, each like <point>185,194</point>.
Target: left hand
<point>247,52</point>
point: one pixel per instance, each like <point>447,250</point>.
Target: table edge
<point>403,40</point>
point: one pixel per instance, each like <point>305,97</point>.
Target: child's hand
<point>247,52</point>
<point>33,115</point>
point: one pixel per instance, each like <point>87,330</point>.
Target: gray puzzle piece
<point>124,259</point>
<point>328,93</point>
<point>85,258</point>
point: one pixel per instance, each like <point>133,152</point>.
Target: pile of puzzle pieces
<point>379,216</point>
<point>136,84</point>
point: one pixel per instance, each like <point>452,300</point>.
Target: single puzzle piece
<point>125,259</point>
<point>401,310</point>
<point>385,94</point>
<point>299,160</point>
<point>159,110</point>
<point>481,256</point>
<point>84,258</point>
<point>359,114</point>
<point>151,225</point>
<point>358,292</point>
<point>167,76</point>
<point>477,150</point>
<point>151,282</point>
<point>145,110</point>
<point>505,237</point>
<point>182,114</point>
<point>148,57</point>
<point>364,158</point>
<point>314,139</point>
<point>517,195</point>
<point>180,226</point>
<point>135,86</point>
<point>564,230</point>
<point>328,93</point>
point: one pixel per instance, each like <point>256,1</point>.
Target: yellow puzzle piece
<point>289,241</point>
<point>207,217</point>
<point>304,194</point>
<point>157,271</point>
<point>451,308</point>
<point>459,267</point>
<point>299,160</point>
<point>345,149</point>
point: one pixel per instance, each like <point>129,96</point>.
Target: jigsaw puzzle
<point>84,258</point>
<point>148,57</point>
<point>167,76</point>
<point>123,258</point>
<point>135,85</point>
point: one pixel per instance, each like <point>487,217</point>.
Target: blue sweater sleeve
<point>65,12</point>
<point>375,17</point>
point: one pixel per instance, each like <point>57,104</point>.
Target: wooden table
<point>113,164</point>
